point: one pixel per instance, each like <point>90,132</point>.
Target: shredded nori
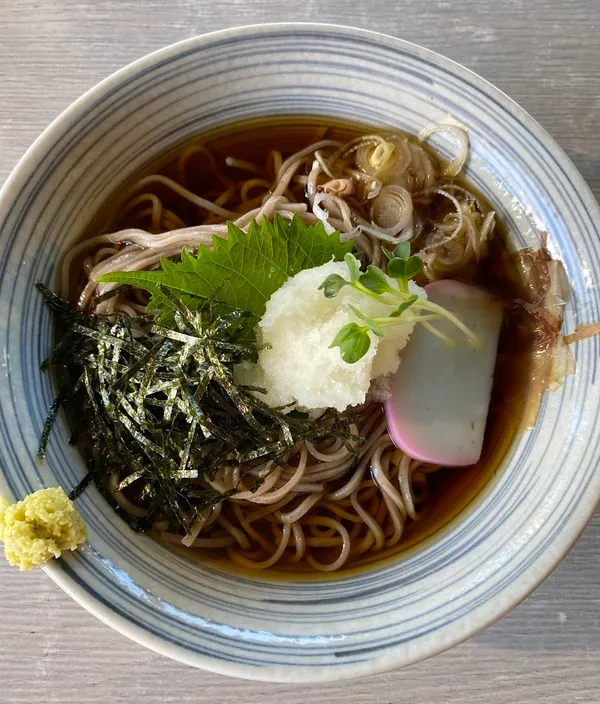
<point>158,406</point>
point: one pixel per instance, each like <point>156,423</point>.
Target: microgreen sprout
<point>353,339</point>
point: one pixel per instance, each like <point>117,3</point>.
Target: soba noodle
<point>329,504</point>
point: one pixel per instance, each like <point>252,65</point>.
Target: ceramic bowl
<point>476,568</point>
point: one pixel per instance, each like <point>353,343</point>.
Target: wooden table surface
<point>546,55</point>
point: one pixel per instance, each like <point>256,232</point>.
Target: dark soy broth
<point>451,490</point>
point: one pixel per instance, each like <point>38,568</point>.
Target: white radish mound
<point>298,326</point>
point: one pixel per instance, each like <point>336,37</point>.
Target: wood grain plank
<point>545,54</point>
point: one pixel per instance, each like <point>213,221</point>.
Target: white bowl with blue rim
<point>474,570</point>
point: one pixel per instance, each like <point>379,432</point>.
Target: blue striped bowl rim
<point>480,565</point>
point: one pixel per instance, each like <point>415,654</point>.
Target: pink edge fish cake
<point>440,394</point>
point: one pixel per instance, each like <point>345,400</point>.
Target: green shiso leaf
<point>244,269</point>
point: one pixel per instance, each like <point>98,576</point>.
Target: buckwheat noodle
<point>326,505</point>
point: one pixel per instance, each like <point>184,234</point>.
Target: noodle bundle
<point>332,503</point>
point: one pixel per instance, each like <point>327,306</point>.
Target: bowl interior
<point>481,565</point>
